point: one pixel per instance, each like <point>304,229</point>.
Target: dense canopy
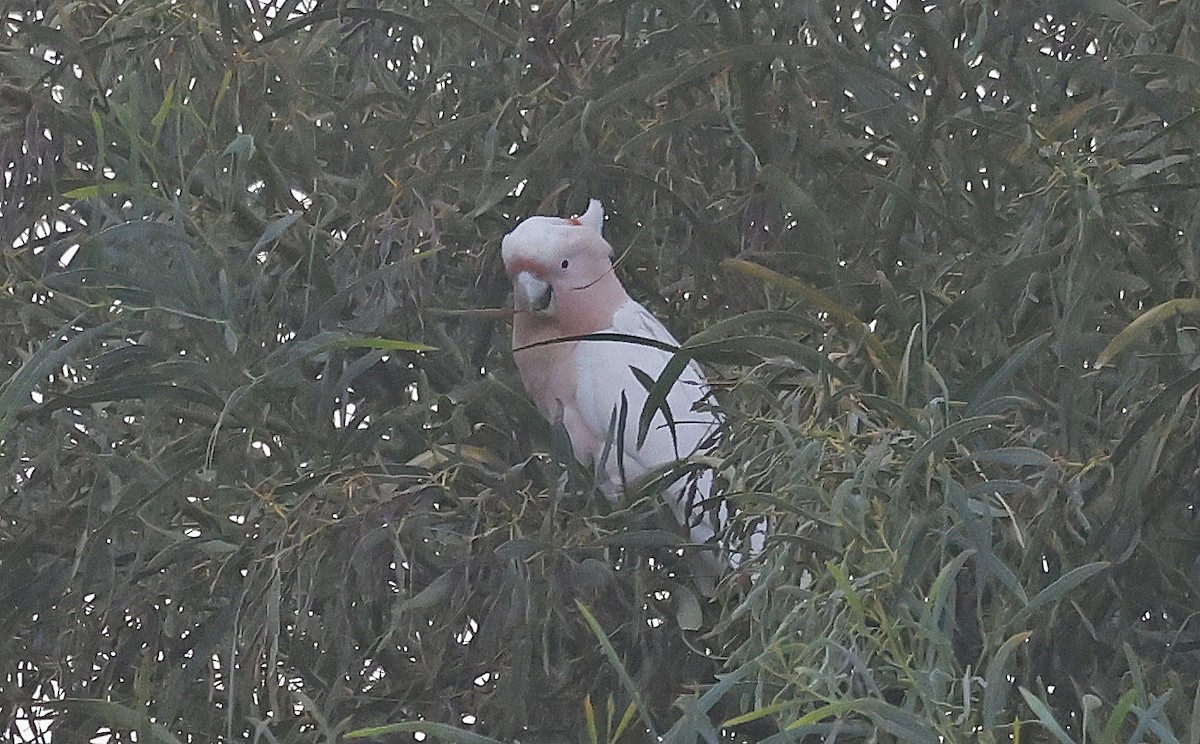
<point>270,476</point>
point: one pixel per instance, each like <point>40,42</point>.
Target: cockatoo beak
<point>531,294</point>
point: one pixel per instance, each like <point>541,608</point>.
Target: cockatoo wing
<point>605,372</point>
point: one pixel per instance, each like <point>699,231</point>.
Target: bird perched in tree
<point>565,286</point>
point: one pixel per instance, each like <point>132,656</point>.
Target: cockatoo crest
<point>593,217</point>
<point>542,242</point>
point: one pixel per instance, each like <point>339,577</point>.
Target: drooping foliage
<point>270,475</point>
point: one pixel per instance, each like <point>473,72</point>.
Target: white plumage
<point>606,371</point>
<point>565,286</point>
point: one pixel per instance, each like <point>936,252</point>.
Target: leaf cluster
<point>270,475</point>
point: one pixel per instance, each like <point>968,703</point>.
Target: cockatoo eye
<point>565,263</point>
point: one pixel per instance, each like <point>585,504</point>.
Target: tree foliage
<point>270,475</point>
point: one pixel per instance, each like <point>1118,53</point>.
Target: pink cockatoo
<point>565,286</point>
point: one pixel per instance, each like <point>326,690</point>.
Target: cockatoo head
<point>562,271</point>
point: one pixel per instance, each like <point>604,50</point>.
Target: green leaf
<point>624,723</point>
<point>819,301</point>
<point>901,724</point>
<point>1046,717</point>
<point>1144,323</point>
<point>1013,456</point>
<point>1113,9</point>
<point>997,288</point>
<point>1194,721</point>
<point>621,337</point>
<point>117,716</point>
<point>687,608</point>
<point>242,146</point>
<point>614,660</point>
<point>654,83</point>
<point>551,146</point>
<point>375,342</point>
<point>164,110</point>
<point>848,592</point>
<point>486,24</point>
<point>750,349</point>
<point>440,732</point>
<point>1158,406</point>
<point>431,595</point>
<point>754,715</point>
<point>997,687</point>
<point>644,538</point>
<point>938,441</point>
<point>1136,172</point>
<point>1005,372</point>
<point>346,294</point>
<point>589,715</point>
<point>753,319</point>
<point>696,722</point>
<point>1058,589</point>
<point>15,393</point>
<point>813,223</point>
<point>275,229</point>
<point>656,396</point>
<point>108,188</point>
<point>323,15</point>
<point>1118,716</point>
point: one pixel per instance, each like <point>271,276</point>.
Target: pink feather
<point>566,286</point>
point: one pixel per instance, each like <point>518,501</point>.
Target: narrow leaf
<point>813,224</point>
<point>615,660</point>
<point>1115,10</point>
<point>1013,456</point>
<point>652,538</point>
<point>108,188</point>
<point>1058,589</point>
<point>163,110</point>
<point>754,715</point>
<point>275,229</point>
<point>589,717</point>
<point>430,595</point>
<point>1156,408</point>
<point>818,300</point>
<point>656,398</point>
<point>1001,376</point>
<point>1144,323</point>
<point>441,731</point>
<point>1046,717</point>
<point>899,723</point>
<point>997,686</point>
<point>687,612</point>
<point>16,393</point>
<point>626,720</point>
<point>241,146</point>
<point>1194,723</point>
<point>376,342</point>
<point>938,441</point>
<point>1120,712</point>
<point>1136,172</point>
<point>117,716</point>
